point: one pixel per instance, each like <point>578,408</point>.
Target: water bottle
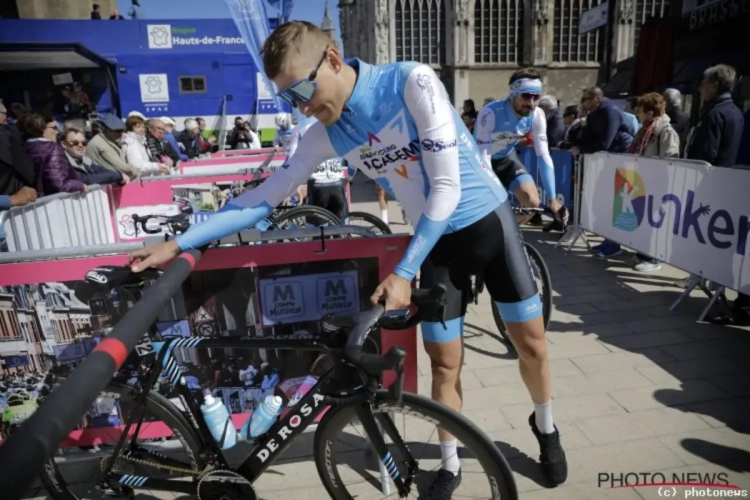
<point>263,417</point>
<point>219,422</point>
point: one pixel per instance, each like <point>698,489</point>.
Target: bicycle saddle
<point>104,279</point>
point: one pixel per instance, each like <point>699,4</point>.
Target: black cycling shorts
<point>511,171</point>
<point>332,197</point>
<point>491,247</point>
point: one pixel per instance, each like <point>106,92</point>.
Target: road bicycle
<point>349,393</point>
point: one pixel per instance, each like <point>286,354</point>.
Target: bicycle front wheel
<point>543,284</point>
<point>349,468</point>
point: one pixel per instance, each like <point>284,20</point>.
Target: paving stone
<point>650,339</point>
<point>582,384</point>
<point>614,361</point>
<point>560,368</point>
<point>642,398</point>
<point>731,412</point>
<point>565,409</point>
<point>722,446</point>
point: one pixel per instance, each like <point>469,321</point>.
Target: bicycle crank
<point>224,485</point>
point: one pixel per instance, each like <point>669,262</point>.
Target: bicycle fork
<point>369,422</point>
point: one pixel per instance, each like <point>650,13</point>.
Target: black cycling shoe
<point>444,485</point>
<point>552,458</point>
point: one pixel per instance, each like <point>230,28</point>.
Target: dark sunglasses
<point>303,90</point>
<point>531,97</point>
<point>77,143</point>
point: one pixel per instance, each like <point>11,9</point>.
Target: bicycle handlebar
<point>527,210</point>
<point>23,455</point>
<point>166,219</point>
<point>361,324</point>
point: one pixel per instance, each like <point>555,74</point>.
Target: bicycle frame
<point>265,451</point>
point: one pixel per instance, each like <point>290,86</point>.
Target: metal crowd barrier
<point>678,193</point>
<point>59,221</point>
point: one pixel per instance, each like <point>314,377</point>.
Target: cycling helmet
<point>282,120</point>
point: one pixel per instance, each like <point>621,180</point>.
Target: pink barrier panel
<point>259,291</point>
<point>230,165</point>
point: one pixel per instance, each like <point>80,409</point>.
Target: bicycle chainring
<point>224,485</point>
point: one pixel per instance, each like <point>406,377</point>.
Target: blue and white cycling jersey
<point>398,125</point>
<point>498,130</point>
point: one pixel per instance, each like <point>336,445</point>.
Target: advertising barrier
<point>266,290</point>
<point>240,152</point>
<point>231,164</point>
<point>564,163</point>
<point>690,215</point>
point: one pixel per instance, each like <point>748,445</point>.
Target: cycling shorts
<point>491,247</point>
<point>332,197</point>
<point>511,171</point>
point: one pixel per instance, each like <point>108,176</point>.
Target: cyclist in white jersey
<point>396,122</point>
<point>325,187</point>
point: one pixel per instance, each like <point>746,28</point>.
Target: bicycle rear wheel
<point>165,438</point>
<point>543,284</point>
<point>373,222</point>
<point>341,457</point>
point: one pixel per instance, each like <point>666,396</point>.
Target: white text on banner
<point>690,215</point>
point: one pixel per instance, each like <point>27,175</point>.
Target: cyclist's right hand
<point>153,256</point>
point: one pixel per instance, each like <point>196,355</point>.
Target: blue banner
<point>563,161</point>
<point>252,22</point>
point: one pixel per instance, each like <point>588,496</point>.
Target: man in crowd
<point>606,129</point>
<point>16,172</point>
<point>677,117</point>
<point>158,146</point>
<point>716,138</point>
<point>204,144</point>
<point>555,124</point>
<point>104,148</point>
<point>189,138</point>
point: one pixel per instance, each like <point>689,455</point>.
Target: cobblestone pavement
<point>637,388</point>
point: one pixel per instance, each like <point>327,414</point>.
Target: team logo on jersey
<point>437,146</point>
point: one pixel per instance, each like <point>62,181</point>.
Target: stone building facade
<point>63,9</point>
<point>475,45</point>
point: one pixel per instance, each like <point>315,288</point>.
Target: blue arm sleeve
<point>547,173</point>
<point>5,202</point>
<point>230,219</point>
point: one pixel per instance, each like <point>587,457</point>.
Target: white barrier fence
<point>691,215</point>
<point>60,221</point>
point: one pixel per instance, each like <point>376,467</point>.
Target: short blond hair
<point>295,38</point>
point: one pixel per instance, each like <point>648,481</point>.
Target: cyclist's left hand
<point>395,290</point>
<point>556,208</point>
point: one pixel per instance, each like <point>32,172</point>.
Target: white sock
<point>384,215</point>
<point>543,417</point>
<point>449,452</point>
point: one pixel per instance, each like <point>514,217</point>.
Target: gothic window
<point>647,10</point>
<point>498,31</point>
<point>421,31</point>
<point>568,45</point>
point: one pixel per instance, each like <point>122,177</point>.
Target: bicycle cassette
<point>224,485</point>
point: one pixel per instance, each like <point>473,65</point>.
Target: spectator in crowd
<point>630,114</point>
<point>605,128</point>
<point>95,12</point>
<point>716,138</point>
<point>573,127</point>
<point>743,156</point>
<point>243,136</point>
<point>169,126</point>
<point>468,121</point>
<point>16,174</point>
<point>104,148</point>
<point>189,138</point>
<point>136,12</point>
<point>138,114</point>
<point>116,15</point>
<point>488,100</point>
<point>136,152</point>
<point>555,123</point>
<point>158,147</point>
<point>471,109</point>
<point>658,139</point>
<point>204,143</point>
<point>679,120</point>
<point>74,143</point>
<point>52,171</point>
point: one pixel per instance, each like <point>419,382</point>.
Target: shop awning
<point>31,56</point>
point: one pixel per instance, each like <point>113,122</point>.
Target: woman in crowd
<point>74,143</point>
<point>52,170</point>
<point>134,148</point>
<point>656,138</point>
